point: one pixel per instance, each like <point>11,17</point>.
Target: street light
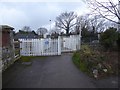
<point>50,24</point>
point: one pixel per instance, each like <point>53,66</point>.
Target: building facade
<point>8,51</point>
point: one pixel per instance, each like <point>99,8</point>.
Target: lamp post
<point>50,24</point>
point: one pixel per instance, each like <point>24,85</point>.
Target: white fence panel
<point>40,47</point>
<point>43,47</point>
<point>71,43</point>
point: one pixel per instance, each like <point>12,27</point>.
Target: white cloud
<point>13,17</point>
<point>36,14</point>
<point>40,0</point>
<point>82,10</point>
<point>49,26</point>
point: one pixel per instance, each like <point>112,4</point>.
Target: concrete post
<point>59,45</point>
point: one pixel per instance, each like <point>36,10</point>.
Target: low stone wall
<point>8,57</point>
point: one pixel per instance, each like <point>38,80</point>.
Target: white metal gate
<point>70,43</point>
<point>40,47</point>
<point>43,47</point>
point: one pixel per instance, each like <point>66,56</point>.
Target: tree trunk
<point>67,31</point>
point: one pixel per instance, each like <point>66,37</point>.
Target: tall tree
<point>83,25</point>
<point>66,21</point>
<point>83,22</point>
<point>55,30</point>
<point>97,23</point>
<point>26,29</point>
<point>108,9</point>
<point>90,26</point>
<point>42,31</point>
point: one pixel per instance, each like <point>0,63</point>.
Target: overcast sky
<point>36,14</point>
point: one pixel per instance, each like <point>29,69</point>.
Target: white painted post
<point>42,46</point>
<point>37,47</point>
<point>34,48</point>
<point>32,43</point>
<point>23,47</point>
<point>59,45</point>
<point>20,46</point>
<point>79,41</point>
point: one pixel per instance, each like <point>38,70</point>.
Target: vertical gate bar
<point>59,45</point>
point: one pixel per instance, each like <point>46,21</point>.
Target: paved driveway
<point>47,72</point>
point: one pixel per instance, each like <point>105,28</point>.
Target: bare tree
<point>26,29</point>
<point>97,23</point>
<point>55,30</point>
<point>94,23</point>
<point>66,21</point>
<point>42,31</point>
<point>82,22</point>
<point>109,9</point>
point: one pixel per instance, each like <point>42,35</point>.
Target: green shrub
<point>109,38</point>
<point>118,41</point>
<point>83,67</point>
<point>87,60</point>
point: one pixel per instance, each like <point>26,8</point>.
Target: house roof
<point>6,27</point>
<point>29,35</point>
